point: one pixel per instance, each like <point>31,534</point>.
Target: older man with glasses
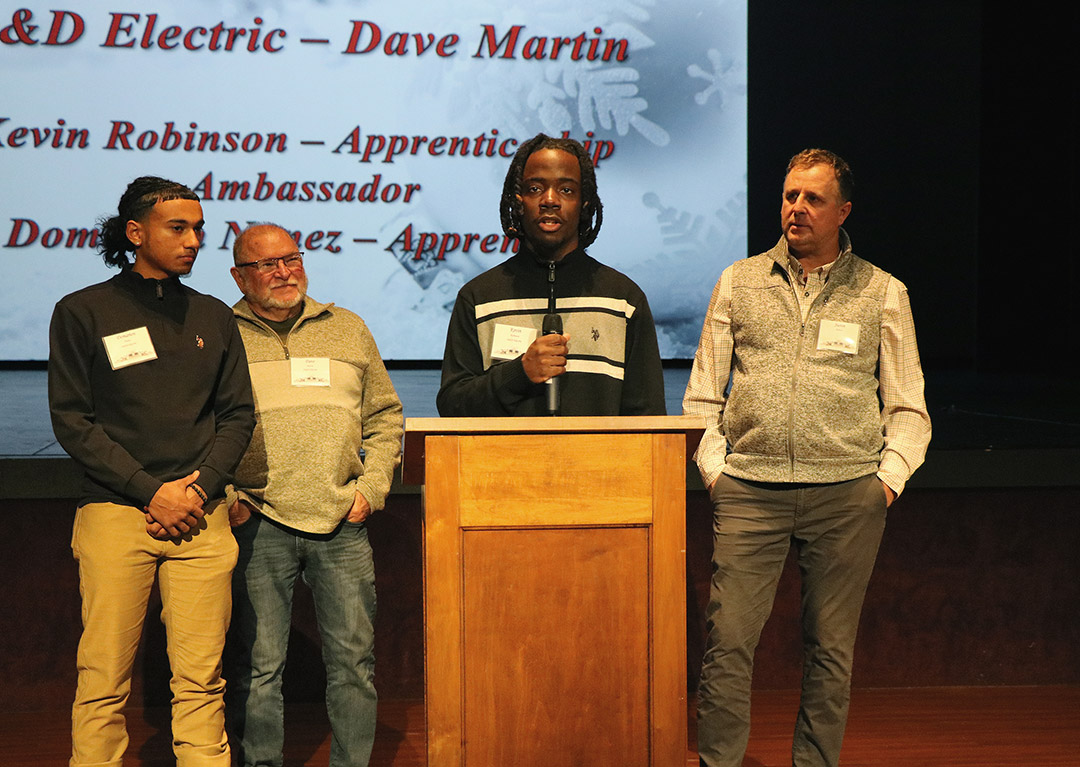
<point>321,461</point>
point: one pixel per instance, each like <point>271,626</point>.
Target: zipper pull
<point>157,289</point>
<point>551,271</point>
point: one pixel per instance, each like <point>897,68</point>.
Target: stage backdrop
<point>379,132</point>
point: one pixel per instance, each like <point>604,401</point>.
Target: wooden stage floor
<point>895,727</point>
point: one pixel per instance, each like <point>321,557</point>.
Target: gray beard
<point>277,303</point>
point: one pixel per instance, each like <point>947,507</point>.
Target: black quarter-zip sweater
<point>133,428</point>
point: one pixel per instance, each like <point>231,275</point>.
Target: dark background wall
<point>959,121</point>
<point>972,587</point>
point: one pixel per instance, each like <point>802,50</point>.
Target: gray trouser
<point>836,529</point>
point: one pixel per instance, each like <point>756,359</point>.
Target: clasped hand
<point>175,510</point>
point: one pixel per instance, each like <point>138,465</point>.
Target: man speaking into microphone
<point>551,331</point>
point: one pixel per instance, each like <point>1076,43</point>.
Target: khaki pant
<point>118,562</point>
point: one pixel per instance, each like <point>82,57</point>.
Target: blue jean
<point>836,529</point>
<point>340,572</point>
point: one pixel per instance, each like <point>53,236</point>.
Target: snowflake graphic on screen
<point>721,79</point>
<point>695,245</point>
<point>580,96</point>
<point>602,96</point>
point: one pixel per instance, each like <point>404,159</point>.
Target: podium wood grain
<point>554,599</point>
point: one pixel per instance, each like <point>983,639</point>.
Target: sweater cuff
<point>142,487</point>
<point>375,499</point>
<point>511,383</point>
<point>212,483</point>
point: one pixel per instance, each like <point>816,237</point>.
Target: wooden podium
<point>554,589</point>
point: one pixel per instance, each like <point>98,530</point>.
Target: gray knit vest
<point>797,413</point>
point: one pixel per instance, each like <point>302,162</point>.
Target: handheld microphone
<point>552,324</point>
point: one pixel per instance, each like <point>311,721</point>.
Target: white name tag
<point>838,337</point>
<point>129,348</point>
<point>310,371</point>
<point>511,341</point>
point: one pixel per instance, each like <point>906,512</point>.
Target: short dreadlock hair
<point>592,211</point>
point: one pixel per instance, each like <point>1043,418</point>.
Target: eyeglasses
<point>292,262</point>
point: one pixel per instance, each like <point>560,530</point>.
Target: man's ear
<point>134,233</point>
<point>236,276</point>
<point>845,210</point>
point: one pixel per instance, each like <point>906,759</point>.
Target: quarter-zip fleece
<point>134,428</point>
<point>314,447</point>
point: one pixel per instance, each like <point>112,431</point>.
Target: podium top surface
<point>418,429</point>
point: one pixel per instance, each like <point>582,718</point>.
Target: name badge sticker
<point>838,337</point>
<point>511,341</point>
<point>310,371</point>
<point>129,348</point>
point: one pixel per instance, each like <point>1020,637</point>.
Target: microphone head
<point>552,324</point>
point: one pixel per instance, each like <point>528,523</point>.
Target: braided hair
<point>138,199</point>
<point>592,211</point>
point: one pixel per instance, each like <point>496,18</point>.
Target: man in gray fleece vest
<point>320,462</point>
<point>822,425</point>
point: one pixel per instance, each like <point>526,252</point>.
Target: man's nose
<point>280,268</point>
<point>549,198</point>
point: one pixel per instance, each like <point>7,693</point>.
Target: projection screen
<point>379,133</point>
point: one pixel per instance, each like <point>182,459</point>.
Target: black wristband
<point>199,492</point>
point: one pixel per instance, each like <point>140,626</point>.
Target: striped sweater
<point>613,367</point>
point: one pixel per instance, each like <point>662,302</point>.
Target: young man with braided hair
<point>149,392</point>
<point>499,353</point>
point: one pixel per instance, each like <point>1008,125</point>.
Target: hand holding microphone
<point>545,359</point>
